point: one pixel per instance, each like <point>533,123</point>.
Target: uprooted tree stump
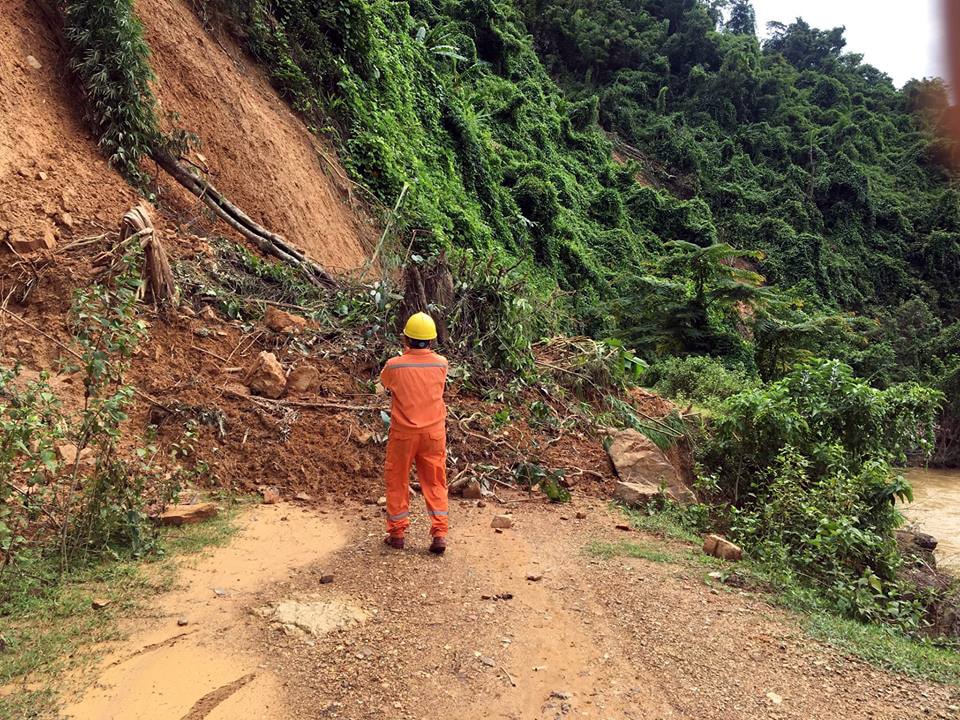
<point>428,287</point>
<point>156,278</point>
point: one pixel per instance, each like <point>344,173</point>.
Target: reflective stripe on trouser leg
<point>400,454</point>
<point>432,473</point>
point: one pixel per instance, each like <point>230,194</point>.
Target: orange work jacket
<point>416,381</point>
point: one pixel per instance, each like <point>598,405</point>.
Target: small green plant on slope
<point>68,493</point>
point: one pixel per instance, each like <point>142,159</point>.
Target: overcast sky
<point>900,37</point>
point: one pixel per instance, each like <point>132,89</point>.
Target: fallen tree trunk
<point>269,242</point>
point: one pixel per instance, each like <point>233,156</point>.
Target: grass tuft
<point>883,647</point>
<point>607,550</point>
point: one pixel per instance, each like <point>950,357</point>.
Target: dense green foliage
<point>806,462</point>
<point>791,159</point>
<point>452,99</point>
<point>697,379</point>
<point>110,59</point>
<point>796,149</point>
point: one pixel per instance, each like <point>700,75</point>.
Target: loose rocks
<point>471,490</point>
<point>302,379</point>
<point>283,322</point>
<point>271,496</point>
<point>266,377</point>
<point>635,494</point>
<point>721,547</point>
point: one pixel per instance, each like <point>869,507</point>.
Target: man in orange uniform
<point>418,432</point>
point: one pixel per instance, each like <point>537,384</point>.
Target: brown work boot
<point>394,541</point>
<point>439,545</point>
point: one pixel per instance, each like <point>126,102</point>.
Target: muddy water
<point>936,509</point>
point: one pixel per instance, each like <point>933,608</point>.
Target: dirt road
<point>522,624</point>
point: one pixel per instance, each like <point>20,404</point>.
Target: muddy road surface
<point>306,614</point>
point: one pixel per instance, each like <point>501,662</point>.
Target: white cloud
<point>900,37</point>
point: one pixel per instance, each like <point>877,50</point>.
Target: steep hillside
<point>54,183</point>
<point>565,267</point>
<point>256,150</point>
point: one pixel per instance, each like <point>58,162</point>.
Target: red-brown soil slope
<point>260,154</point>
<point>49,164</point>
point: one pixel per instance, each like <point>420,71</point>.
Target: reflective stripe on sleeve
<point>394,366</point>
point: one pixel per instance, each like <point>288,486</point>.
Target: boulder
<point>925,541</point>
<point>186,514</point>
<point>271,495</point>
<point>302,379</point>
<point>917,547</point>
<point>501,522</point>
<point>635,494</point>
<point>283,322</point>
<point>637,460</point>
<point>722,548</point>
<point>67,452</point>
<point>266,377</point>
<point>87,458</point>
<point>471,490</point>
<point>46,240</point>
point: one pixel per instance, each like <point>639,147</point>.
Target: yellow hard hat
<point>420,326</point>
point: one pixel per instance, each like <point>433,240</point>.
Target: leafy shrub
<point>807,463</point>
<point>58,505</point>
<point>110,59</point>
<point>699,379</point>
<point>832,418</point>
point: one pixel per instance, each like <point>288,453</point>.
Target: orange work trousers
<point>429,451</point>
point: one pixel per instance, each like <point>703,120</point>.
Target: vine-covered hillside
<point>791,148</point>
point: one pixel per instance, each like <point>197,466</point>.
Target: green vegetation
<point>884,648</point>
<point>697,379</point>
<point>608,550</point>
<point>806,464</point>
<point>109,57</point>
<point>69,495</point>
